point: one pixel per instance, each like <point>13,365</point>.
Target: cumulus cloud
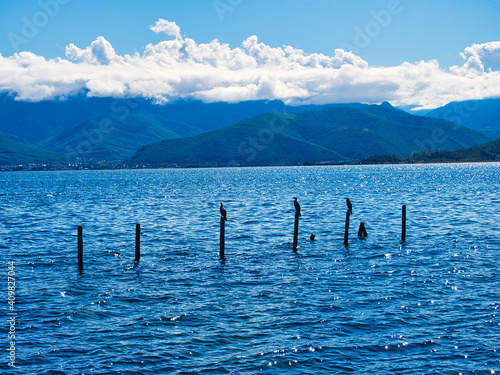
<point>167,27</point>
<point>480,58</point>
<point>181,68</point>
<point>100,51</point>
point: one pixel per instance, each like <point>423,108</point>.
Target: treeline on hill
<point>483,153</point>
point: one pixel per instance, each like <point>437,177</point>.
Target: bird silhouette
<point>349,205</point>
<point>297,205</point>
<point>223,212</point>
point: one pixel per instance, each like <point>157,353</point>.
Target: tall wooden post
<point>137,242</point>
<point>80,248</point>
<point>346,231</point>
<point>296,231</point>
<point>403,224</point>
<point>222,236</point>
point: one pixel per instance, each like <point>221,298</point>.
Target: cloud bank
<point>179,68</point>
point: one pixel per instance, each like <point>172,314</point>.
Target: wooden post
<point>346,232</point>
<point>137,242</point>
<point>403,224</point>
<point>222,235</point>
<point>296,231</point>
<point>80,248</point>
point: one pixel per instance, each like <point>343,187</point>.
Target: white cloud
<point>167,27</point>
<point>99,52</point>
<point>480,58</point>
<point>181,68</point>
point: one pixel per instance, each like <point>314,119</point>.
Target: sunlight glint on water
<point>427,306</point>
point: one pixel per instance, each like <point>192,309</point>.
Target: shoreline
<point>54,168</point>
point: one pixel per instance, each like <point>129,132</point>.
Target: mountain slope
<point>53,125</point>
<point>250,142</point>
<point>113,139</point>
<point>13,152</point>
<point>330,135</point>
<point>480,115</point>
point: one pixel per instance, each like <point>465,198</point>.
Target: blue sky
<point>382,33</point>
<point>424,29</point>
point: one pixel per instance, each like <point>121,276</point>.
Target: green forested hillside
<point>333,134</point>
<point>14,152</point>
<point>486,152</point>
<point>112,139</point>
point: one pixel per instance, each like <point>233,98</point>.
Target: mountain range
<point>334,134</point>
<point>247,133</point>
<point>114,129</point>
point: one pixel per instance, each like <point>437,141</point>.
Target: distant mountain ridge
<point>247,133</point>
<point>114,129</point>
<point>480,115</point>
<point>334,134</point>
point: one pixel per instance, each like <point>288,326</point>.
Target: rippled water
<point>427,306</point>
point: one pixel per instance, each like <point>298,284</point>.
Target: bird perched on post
<point>349,205</point>
<point>297,205</point>
<point>223,212</point>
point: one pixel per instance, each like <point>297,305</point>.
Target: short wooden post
<point>403,224</point>
<point>296,231</point>
<point>346,232</point>
<point>80,248</point>
<point>137,242</point>
<point>222,236</point>
<point>362,230</point>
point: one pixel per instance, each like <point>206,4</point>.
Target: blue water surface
<point>427,306</point>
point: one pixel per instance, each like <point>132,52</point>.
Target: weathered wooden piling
<point>362,230</point>
<point>346,231</point>
<point>222,236</point>
<point>296,231</point>
<point>403,224</point>
<point>80,248</point>
<point>137,242</point>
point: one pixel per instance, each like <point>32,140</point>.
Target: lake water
<point>428,306</point>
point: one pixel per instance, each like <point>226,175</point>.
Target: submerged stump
<point>362,230</point>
